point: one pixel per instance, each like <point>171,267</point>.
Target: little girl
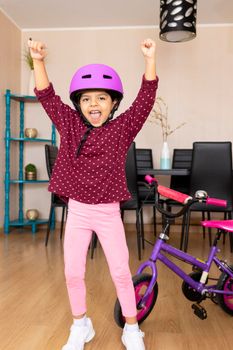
<point>90,173</point>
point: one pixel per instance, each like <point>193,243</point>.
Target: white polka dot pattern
<point>98,174</point>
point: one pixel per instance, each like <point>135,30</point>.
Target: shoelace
<point>74,337</point>
<point>141,334</point>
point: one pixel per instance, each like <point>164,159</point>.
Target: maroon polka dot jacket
<point>98,174</point>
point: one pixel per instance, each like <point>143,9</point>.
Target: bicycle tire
<point>225,282</point>
<point>139,281</point>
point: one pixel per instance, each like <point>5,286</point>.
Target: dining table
<point>168,172</point>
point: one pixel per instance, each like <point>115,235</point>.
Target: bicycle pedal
<point>199,311</point>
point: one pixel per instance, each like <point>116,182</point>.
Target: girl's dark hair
<point>113,94</point>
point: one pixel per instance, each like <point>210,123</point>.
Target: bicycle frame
<point>161,246</point>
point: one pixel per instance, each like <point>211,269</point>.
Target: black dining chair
<point>56,202</point>
<point>211,170</point>
<point>134,202</point>
<point>144,160</point>
<point>182,159</point>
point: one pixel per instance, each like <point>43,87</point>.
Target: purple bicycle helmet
<point>95,76</point>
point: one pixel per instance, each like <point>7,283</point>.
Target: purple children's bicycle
<point>195,286</point>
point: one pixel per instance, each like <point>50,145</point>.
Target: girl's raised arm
<point>38,53</point>
<point>148,49</point>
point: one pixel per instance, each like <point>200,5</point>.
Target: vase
<point>165,162</point>
<point>31,84</point>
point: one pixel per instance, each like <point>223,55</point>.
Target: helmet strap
<point>90,126</point>
<point>83,140</point>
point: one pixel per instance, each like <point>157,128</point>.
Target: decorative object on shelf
<point>177,20</point>
<point>32,214</point>
<point>159,116</point>
<point>31,133</point>
<point>30,172</point>
<point>31,84</point>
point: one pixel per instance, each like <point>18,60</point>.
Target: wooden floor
<point>34,308</point>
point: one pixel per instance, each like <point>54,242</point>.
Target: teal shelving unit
<point>20,181</point>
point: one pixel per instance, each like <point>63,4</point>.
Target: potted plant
<point>29,61</point>
<point>30,172</point>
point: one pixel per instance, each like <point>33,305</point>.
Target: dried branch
<point>159,116</point>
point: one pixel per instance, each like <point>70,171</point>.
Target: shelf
<point>29,139</point>
<point>25,222</point>
<point>22,142</point>
<point>23,98</point>
<point>28,222</point>
<point>27,181</point>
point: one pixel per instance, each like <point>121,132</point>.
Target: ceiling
<point>34,14</point>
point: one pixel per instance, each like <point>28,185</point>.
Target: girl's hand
<point>37,50</point>
<point>148,47</point>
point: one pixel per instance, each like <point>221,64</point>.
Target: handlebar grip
<point>167,192</point>
<point>217,202</point>
<point>150,179</point>
<point>177,196</point>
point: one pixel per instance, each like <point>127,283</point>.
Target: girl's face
<point>96,106</point>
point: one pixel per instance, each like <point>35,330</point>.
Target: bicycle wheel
<point>141,283</point>
<point>225,283</point>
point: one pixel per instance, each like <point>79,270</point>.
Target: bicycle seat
<point>226,225</point>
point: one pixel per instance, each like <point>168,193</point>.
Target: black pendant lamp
<point>177,20</point>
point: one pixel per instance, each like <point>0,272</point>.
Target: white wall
<point>10,70</point>
<point>195,81</point>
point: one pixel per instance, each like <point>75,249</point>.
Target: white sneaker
<point>79,335</point>
<point>133,340</point>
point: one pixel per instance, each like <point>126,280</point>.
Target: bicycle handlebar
<point>182,198</point>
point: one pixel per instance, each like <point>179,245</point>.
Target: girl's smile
<point>96,106</point>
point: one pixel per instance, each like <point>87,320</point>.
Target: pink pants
<point>105,220</point>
